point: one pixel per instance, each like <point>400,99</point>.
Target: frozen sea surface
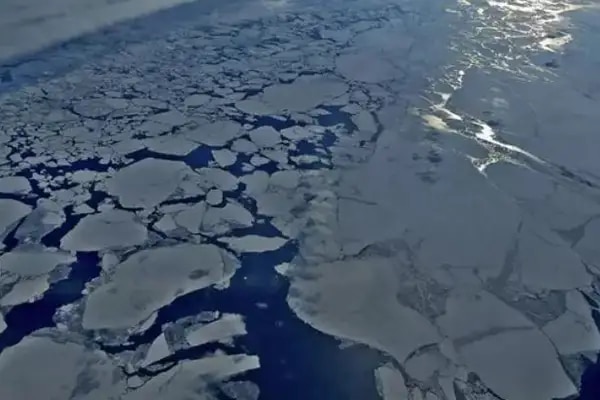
<point>257,200</point>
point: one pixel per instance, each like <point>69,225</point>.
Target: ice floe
<point>151,279</point>
<point>147,183</point>
<point>214,197</point>
<point>190,218</point>
<point>471,314</point>
<point>223,329</point>
<point>253,243</point>
<point>390,383</point>
<point>319,297</point>
<point>224,157</point>
<point>217,178</point>
<point>191,379</point>
<point>265,136</point>
<point>219,220</point>
<point>575,330</point>
<point>112,229</point>
<point>15,184</point>
<point>158,350</point>
<point>215,134</point>
<point>11,211</point>
<point>241,390</point>
<point>29,370</point>
<point>525,365</point>
<point>26,271</point>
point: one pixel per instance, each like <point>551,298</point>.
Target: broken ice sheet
<point>151,279</point>
<point>27,271</point>
<point>29,370</point>
<point>192,379</point>
<point>113,229</point>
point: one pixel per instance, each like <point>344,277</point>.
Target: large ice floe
<point>380,200</point>
<point>151,279</point>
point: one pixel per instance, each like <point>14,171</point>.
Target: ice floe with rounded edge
<point>26,269</point>
<point>147,183</point>
<point>288,179</point>
<point>112,229</point>
<point>14,184</point>
<point>390,383</point>
<point>192,379</point>
<point>11,211</point>
<point>257,160</point>
<point>173,145</point>
<point>151,279</point>
<point>223,329</point>
<point>365,122</point>
<point>244,146</point>
<point>338,298</point>
<point>3,325</point>
<point>254,243</point>
<point>265,136</point>
<point>303,94</point>
<point>214,197</point>
<point>29,370</point>
<point>224,157</point>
